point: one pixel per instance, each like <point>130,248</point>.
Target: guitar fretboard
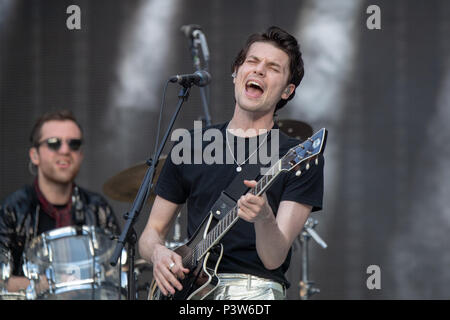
<point>231,217</point>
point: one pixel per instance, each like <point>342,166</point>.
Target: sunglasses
<point>56,143</point>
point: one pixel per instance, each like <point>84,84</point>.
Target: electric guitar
<point>202,278</point>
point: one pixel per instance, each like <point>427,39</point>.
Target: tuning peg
<point>307,166</point>
<point>298,173</point>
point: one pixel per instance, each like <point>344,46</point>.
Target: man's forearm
<point>271,245</point>
<point>148,242</point>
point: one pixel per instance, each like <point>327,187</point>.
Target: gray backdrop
<point>382,94</point>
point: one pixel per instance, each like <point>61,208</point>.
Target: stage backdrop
<point>377,77</point>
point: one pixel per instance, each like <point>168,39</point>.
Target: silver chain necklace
<point>239,166</point>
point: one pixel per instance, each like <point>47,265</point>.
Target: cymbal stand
<point>306,286</point>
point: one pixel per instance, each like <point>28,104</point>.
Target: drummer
<point>53,200</point>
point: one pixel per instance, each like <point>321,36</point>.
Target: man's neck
<point>250,122</point>
<point>55,193</point>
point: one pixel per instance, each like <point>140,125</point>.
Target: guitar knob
<point>307,166</point>
<point>298,173</point>
<point>317,161</point>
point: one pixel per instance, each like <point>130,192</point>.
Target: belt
<point>250,281</point>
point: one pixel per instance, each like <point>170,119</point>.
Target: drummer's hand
<point>167,269</point>
<point>42,285</point>
<point>17,283</point>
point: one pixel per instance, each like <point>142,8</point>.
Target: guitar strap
<point>229,197</point>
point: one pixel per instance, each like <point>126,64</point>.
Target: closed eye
<point>276,69</point>
<point>274,66</point>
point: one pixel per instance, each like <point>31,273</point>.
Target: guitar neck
<point>302,153</point>
<point>231,217</point>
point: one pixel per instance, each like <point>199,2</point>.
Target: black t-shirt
<point>201,185</point>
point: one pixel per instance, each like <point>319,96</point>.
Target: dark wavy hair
<point>284,41</point>
<point>59,115</point>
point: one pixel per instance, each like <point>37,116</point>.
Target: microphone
<point>199,78</point>
<point>189,29</point>
<point>195,34</point>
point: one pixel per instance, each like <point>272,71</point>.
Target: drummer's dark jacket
<point>20,215</point>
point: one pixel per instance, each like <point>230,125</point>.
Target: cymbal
<point>125,185</point>
<point>296,129</point>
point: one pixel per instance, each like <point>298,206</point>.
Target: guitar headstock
<point>305,152</point>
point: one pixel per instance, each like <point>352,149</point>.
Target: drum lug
<point>31,271</point>
<point>50,274</point>
<point>30,292</point>
<point>99,274</point>
<point>5,272</point>
<point>123,280</point>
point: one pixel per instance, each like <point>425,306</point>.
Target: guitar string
<point>201,247</point>
<point>198,248</point>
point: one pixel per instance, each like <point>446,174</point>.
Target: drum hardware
<point>31,271</point>
<point>5,274</point>
<point>5,268</point>
<point>78,211</point>
<point>12,296</point>
<point>307,288</point>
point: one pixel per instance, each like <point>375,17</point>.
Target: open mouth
<point>63,163</point>
<point>254,89</point>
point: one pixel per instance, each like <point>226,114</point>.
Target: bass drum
<point>74,262</point>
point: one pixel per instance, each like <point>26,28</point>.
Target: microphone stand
<point>204,94</point>
<point>128,235</point>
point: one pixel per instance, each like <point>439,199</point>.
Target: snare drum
<point>75,263</point>
<point>12,296</point>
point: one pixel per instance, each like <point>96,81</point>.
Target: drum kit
<point>69,263</point>
<point>72,263</point>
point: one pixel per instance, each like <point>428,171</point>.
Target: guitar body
<point>202,277</point>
